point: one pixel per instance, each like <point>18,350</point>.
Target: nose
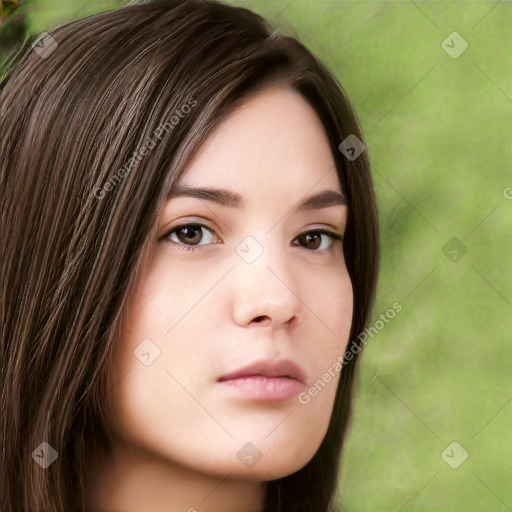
<point>266,291</point>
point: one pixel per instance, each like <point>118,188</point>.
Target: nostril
<point>261,319</point>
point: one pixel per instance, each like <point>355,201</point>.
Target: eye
<point>313,239</point>
<point>187,236</point>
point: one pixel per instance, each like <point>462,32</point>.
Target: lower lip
<point>268,389</point>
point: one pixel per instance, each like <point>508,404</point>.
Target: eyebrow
<point>231,199</point>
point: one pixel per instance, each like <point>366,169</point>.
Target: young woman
<point>190,249</point>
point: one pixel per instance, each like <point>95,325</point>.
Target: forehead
<point>274,139</point>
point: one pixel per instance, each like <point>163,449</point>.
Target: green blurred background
<point>438,128</point>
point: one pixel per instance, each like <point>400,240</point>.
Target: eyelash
<point>184,247</point>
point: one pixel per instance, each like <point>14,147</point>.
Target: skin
<point>210,312</point>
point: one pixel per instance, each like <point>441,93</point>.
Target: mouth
<point>266,380</point>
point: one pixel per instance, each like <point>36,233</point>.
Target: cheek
<point>329,329</point>
<point>153,369</point>
<point>162,303</point>
<point>163,334</point>
<point>340,312</point>
<point>332,309</point>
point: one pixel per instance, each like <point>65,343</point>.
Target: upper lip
<point>268,368</point>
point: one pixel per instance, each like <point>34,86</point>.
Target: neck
<point>128,480</point>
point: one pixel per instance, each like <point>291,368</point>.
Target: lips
<point>269,368</point>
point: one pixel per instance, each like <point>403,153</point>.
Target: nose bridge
<point>266,284</point>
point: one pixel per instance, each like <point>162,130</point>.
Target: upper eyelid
<point>211,228</point>
<point>211,225</point>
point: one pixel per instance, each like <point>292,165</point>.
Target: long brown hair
<point>77,118</point>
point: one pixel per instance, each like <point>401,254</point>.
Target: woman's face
<point>253,291</point>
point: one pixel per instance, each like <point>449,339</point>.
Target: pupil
<point>309,236</point>
<point>188,236</point>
